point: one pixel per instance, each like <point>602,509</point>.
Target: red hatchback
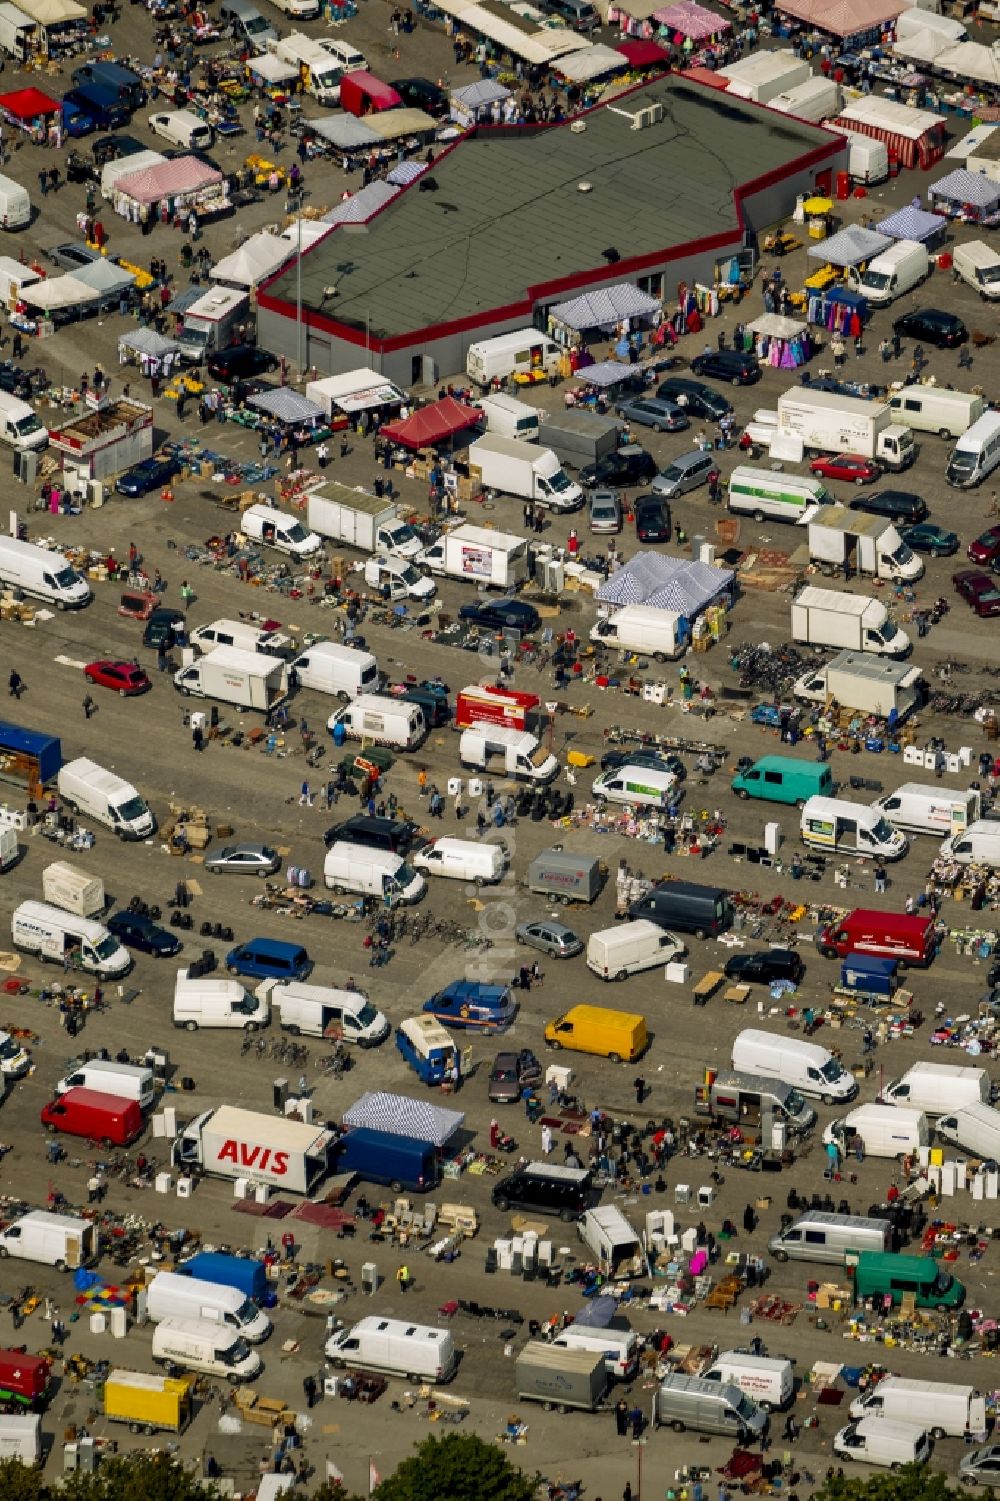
<point>986,548</point>
<point>853,467</point>
<point>126,678</point>
<point>979,590</point>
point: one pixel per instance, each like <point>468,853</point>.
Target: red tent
<point>28,104</point>
<point>641,54</point>
<point>432,424</point>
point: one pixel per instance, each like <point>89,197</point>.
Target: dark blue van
<point>76,117</point>
<point>123,83</point>
<point>103,106</point>
<point>400,1162</point>
<point>269,959</point>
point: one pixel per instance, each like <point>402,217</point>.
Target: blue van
<point>467,1003</point>
<point>123,83</point>
<point>77,119</point>
<point>400,1162</point>
<point>101,104</point>
<point>269,959</point>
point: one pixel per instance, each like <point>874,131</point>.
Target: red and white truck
<point>232,1143</point>
<point>482,704</point>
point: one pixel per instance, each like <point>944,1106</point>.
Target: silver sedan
<point>242,859</point>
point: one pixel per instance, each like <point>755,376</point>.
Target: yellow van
<point>618,1035</point>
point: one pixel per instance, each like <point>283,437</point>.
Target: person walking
<point>305,796</point>
<point>880,877</point>
<point>88,706</point>
<point>15,684</point>
<point>403,1277</point>
<point>621,1417</point>
<point>309,1390</point>
<point>198,738</point>
<point>639,1085</point>
<point>546,1140</point>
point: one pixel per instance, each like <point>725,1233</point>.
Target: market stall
<point>358,207</point>
<point>697,32</point>
<point>783,343</point>
<point>851,246</point>
<point>29,110</point>
<point>123,166</point>
<point>144,347</point>
<point>255,260</point>
<point>651,578</point>
<point>479,102</point>
<point>303,420</point>
<point>970,61</point>
<point>110,281</point>
<point>595,316</point>
<point>356,391</point>
<point>970,196</point>
<point>588,65</point>
<point>398,1115</point>
<point>60,298</point>
<point>276,78</point>
<point>634,18</point>
<point>911,136</point>
<point>103,442</point>
<point>171,192</point>
<point>835,309</point>
<point>432,425</point>
<point>643,56</point>
<point>914,223</point>
<point>854,22</point>
<point>62,23</point>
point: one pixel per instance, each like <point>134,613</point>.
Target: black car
<point>162,626</point>
<point>374,833</point>
<point>944,330</point>
<point>420,93</point>
<point>15,381</point>
<point>897,505</point>
<point>765,967</point>
<point>731,365</point>
<point>652,519</point>
<point>138,932</point>
<point>147,475</point>
<point>199,156</point>
<point>652,760</point>
<point>695,397</point>
<point>630,465</point>
<point>111,148</point>
<point>501,615</point>
<point>240,362</point>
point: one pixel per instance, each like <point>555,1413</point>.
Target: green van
<point>884,1274</point>
<point>784,779</point>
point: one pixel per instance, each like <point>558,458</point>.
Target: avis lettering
<point>264,1159</point>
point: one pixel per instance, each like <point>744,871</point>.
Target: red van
<point>894,935</point>
<point>25,1381</point>
<point>106,1118</point>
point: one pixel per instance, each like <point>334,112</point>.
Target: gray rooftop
<point>508,212</point>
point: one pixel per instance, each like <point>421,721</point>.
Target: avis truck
<point>857,543</point>
<point>248,679</point>
<point>856,622</point>
<point>525,470</point>
<point>231,1143</point>
<point>360,520</point>
<point>830,423</point>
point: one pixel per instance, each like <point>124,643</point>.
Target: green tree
<point>912,1483</point>
<point>138,1477</point>
<point>20,1482</point>
<point>459,1466</point>
<point>332,1490</point>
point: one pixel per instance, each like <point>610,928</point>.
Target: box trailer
<point>360,520</point>
<point>242,1272</point>
<point>25,1381</point>
<point>73,889</point>
<point>148,1404</point>
<point>854,622</point>
<point>579,438</point>
<point>245,679</point>
<point>526,470</point>
<point>872,685</point>
<point>228,1142</point>
<point>559,1378</point>
<point>486,704</point>
<point>828,423</point>
<point>475,553</point>
<point>855,543</point>
<point>566,877</point>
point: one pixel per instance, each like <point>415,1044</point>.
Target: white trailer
<point>246,679</point>
<point>857,543</point>
<point>828,423</point>
<point>480,556</point>
<point>856,622</point>
<point>524,469</point>
<point>231,1143</point>
<point>872,685</point>
<point>361,520</point>
<point>73,889</point>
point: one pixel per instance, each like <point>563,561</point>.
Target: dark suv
<point>695,397</point>
<point>766,967</point>
<point>374,833</point>
<point>565,1191</point>
<point>630,465</point>
<point>421,93</point>
<point>944,330</point>
<point>240,362</point>
<point>732,365</point>
<point>897,505</point>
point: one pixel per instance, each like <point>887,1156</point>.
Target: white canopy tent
<point>53,12</point>
<point>254,260</point>
<point>970,60</point>
<point>922,46</point>
<point>354,392</point>
<point>59,292</point>
<point>272,69</point>
<point>590,62</point>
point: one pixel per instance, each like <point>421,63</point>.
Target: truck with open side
<point>492,560</point>
<point>229,1142</point>
<point>526,470</point>
<point>856,543</point>
<point>871,685</point>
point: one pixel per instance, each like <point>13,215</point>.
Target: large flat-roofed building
<point>656,188</point>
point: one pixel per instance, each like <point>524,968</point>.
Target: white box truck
<point>975,1128</point>
<point>9,848</point>
<point>107,798</point>
<point>644,628</point>
<point>360,520</point>
<point>816,98</point>
<point>513,752</point>
<point>856,543</point>
<point>513,467</point>
<point>497,560</point>
<point>938,1088</point>
<point>867,158</point>
<point>824,421</point>
<point>211,322</point>
<point>943,1408</point>
<point>891,273</point>
<point>855,622</point>
<point>769,495</point>
<point>809,1068</point>
<point>172,1296</point>
<point>17,32</point>
<point>228,1142</point>
<point>920,808</point>
<point>510,418</point>
<point>61,1240</point>
<point>246,679</point>
<point>629,948</point>
<point>614,1242</point>
<point>874,685</point>
<point>382,720</point>
<point>73,889</point>
<point>935,409</point>
<point>370,872</point>
<point>57,937</point>
<point>768,1381</point>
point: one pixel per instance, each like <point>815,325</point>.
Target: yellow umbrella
<point>817,205</point>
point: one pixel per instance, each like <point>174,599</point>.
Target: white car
<point>395,578</point>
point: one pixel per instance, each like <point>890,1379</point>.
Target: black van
<point>705,911</point>
<point>437,710</point>
<point>550,1188</point>
<point>123,82</point>
<point>374,833</point>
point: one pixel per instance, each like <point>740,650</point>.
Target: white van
<point>975,1128</point>
<point>769,1382</point>
<point>15,1060</point>
<point>15,204</point>
<point>837,825</point>
<point>383,720</point>
<point>21,1437</point>
<point>976,454</point>
<point>463,860</point>
<point>54,935</point>
<point>867,159</point>
<point>978,264</point>
<point>396,578</point>
<point>943,1408</point>
<point>242,634</point>
<point>809,1068</point>
<point>63,1241</point>
<point>371,872</point>
<point>42,573</point>
<point>416,1352</point>
<point>934,409</point>
<point>249,27</point>
<point>524,352</point>
<point>328,667</point>
<point>615,953</point>
<point>183,128</point>
<point>924,809</point>
<point>129,1081</point>
<point>273,528</point>
<point>323,1011</point>
<point>190,1344</point>
<point>882,1130</point>
<point>620,1348</point>
<point>820,1236</point>
<point>20,426</point>
<point>104,796</point>
<point>774,496</point>
<point>643,628</point>
<point>937,1088</point>
<point>880,1441</point>
<point>172,1296</point>
<point>639,785</point>
<point>979,845</point>
<point>895,271</point>
<point>209,1001</point>
<point>510,418</point>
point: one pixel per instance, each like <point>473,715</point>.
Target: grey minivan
<point>250,28</point>
<point>684,473</point>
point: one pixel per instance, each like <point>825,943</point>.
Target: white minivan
<point>190,1344</point>
<point>328,667</point>
<point>183,128</point>
<point>463,860</point>
<point>172,1296</point>
<point>809,1068</point>
<point>20,426</point>
<point>417,1352</point>
<point>129,1081</point>
<point>211,1001</point>
<point>323,1011</point>
<point>242,634</point>
<point>273,528</point>
<point>616,953</point>
<point>42,573</point>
